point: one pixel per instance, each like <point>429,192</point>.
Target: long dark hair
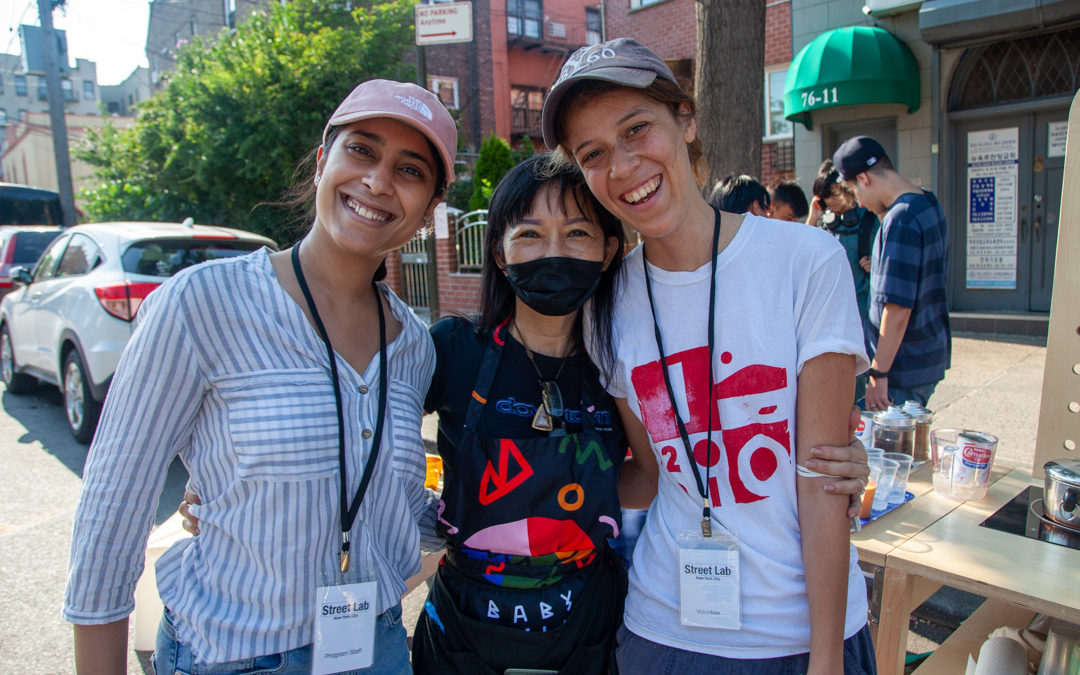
<point>512,200</point>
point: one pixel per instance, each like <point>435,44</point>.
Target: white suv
<point>72,316</point>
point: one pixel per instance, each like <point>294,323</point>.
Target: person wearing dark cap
<point>736,340</point>
<point>290,384</point>
<point>741,194</point>
<point>788,201</point>
<point>836,210</point>
<point>909,318</point>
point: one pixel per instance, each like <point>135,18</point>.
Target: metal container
<point>1061,491</point>
<point>894,431</point>
<point>923,419</point>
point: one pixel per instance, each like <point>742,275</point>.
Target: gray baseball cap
<point>622,61</point>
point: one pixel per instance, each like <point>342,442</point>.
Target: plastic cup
<point>889,468</point>
<point>875,452</point>
<point>899,488</point>
<point>434,472</point>
<point>871,489</point>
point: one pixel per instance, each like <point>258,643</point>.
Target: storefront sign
<point>1055,135</point>
<point>993,166</point>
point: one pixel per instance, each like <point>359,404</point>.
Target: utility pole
<point>56,110</point>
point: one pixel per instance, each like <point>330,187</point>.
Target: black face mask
<point>555,286</point>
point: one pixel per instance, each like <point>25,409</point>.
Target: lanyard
<point>706,525</point>
<point>348,513</point>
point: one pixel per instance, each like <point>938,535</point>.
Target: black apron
<point>563,485</point>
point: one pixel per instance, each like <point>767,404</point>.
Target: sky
<point>109,32</point>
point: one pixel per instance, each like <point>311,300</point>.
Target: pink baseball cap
<point>405,102</point>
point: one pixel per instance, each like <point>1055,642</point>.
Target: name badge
<point>709,595</point>
<point>344,628</point>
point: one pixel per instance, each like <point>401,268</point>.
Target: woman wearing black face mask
<point>531,444</point>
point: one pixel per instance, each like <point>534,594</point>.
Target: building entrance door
<point>1004,211</point>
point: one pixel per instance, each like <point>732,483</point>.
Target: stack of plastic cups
<point>889,468</point>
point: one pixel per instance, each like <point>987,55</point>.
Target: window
<point>775,124</point>
<point>446,88</point>
<point>523,18</point>
<point>81,256</point>
<point>20,85</point>
<point>44,268</point>
<point>42,89</point>
<point>593,29</point>
<point>525,107</point>
<point>88,90</point>
<point>68,90</point>
<point>638,4</point>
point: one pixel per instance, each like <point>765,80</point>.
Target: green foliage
<point>236,116</point>
<point>496,158</point>
<point>524,150</point>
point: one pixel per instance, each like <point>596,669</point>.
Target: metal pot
<point>1061,491</point>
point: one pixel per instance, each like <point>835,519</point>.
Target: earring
<point>427,228</point>
<point>317,177</point>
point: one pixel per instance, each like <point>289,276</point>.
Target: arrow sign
<point>444,23</point>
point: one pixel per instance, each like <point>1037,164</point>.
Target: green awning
<point>849,66</point>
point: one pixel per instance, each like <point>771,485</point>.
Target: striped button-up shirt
<point>225,371</point>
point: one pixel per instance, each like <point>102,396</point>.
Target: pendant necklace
<point>551,403</point>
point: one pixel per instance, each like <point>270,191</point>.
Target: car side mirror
<point>21,275</point>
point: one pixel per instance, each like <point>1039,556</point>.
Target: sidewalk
<point>994,386</point>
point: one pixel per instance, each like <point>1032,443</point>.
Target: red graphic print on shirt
<point>749,446</point>
<point>502,480</point>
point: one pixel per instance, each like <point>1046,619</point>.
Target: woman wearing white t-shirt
<point>737,341</point>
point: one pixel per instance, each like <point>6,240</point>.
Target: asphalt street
<point>993,386</point>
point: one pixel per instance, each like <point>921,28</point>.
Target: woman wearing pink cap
<point>291,386</point>
<point>736,340</point>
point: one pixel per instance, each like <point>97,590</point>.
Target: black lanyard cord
<point>703,487</point>
<point>348,513</point>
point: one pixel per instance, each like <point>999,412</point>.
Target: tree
<point>730,85</point>
<point>496,158</point>
<point>236,116</point>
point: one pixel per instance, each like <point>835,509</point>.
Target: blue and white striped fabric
<point>908,268</point>
<point>225,370</point>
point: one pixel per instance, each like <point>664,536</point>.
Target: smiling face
<point>376,185</point>
<point>554,230</point>
<point>633,152</point>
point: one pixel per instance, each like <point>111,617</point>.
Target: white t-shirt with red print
<point>784,295</point>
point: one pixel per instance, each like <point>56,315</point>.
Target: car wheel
<point>16,383</point>
<point>79,404</point>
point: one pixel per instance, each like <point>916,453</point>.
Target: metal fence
<point>469,243</point>
<point>414,275</point>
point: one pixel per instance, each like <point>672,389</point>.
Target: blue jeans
<point>637,655</point>
<point>898,395</point>
<point>172,657</point>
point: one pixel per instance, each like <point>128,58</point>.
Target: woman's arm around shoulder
<point>637,481</point>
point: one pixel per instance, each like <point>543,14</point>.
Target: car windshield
<point>166,257</point>
<point>29,246</point>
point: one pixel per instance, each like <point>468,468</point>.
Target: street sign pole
<point>56,113</point>
<point>432,268</point>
